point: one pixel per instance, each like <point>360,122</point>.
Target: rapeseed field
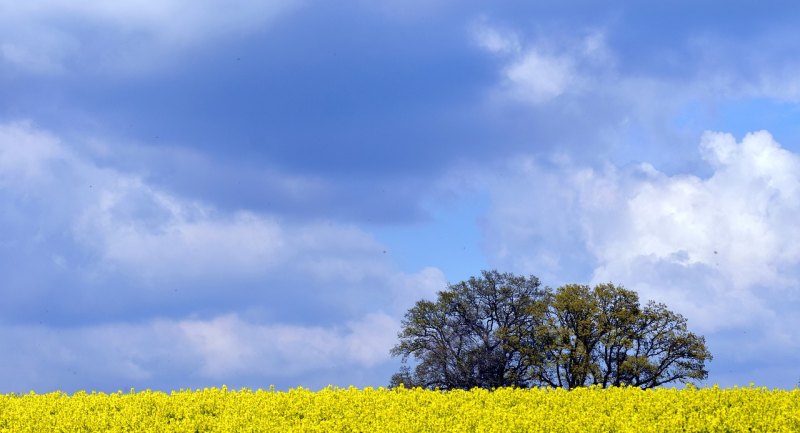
<point>407,410</point>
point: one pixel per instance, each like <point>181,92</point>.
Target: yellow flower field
<point>406,410</point>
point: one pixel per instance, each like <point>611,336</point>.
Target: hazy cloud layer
<point>190,353</point>
<point>199,290</point>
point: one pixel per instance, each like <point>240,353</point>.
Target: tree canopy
<point>470,336</point>
<point>505,330</point>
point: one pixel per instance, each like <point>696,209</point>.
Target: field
<point>402,410</point>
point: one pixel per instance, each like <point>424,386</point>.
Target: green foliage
<point>505,330</point>
<point>602,336</point>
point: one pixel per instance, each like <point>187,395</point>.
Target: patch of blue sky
<point>449,240</point>
<point>742,116</point>
<point>780,118</point>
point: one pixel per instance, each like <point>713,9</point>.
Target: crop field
<point>407,410</point>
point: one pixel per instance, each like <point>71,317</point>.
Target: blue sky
<point>196,194</point>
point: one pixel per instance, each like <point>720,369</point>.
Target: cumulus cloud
<point>739,220</point>
<point>721,250</point>
<point>50,36</point>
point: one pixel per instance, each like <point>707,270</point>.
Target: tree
<point>472,335</point>
<point>505,330</point>
<point>604,337</point>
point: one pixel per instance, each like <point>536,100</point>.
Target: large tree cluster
<point>506,330</point>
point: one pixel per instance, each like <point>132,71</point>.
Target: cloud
<point>539,72</point>
<point>495,40</point>
<point>189,351</point>
<point>130,224</point>
<point>80,229</point>
<point>55,35</point>
<point>227,345</point>
<point>138,227</point>
<point>754,67</point>
<point>108,276</point>
<point>24,153</point>
<point>739,219</point>
<point>709,246</point>
<point>539,77</point>
<point>586,88</point>
<point>411,288</point>
<point>721,250</point>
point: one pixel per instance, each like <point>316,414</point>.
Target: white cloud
<point>370,338</point>
<point>723,250</point>
<point>410,288</point>
<point>534,225</point>
<point>536,73</point>
<point>739,220</point>
<point>49,36</point>
<point>539,77</point>
<point>153,234</point>
<point>25,154</point>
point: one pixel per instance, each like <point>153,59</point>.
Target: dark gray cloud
<point>346,93</point>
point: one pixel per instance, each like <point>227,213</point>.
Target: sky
<point>247,193</point>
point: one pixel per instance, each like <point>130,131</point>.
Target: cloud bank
<point>128,282</point>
